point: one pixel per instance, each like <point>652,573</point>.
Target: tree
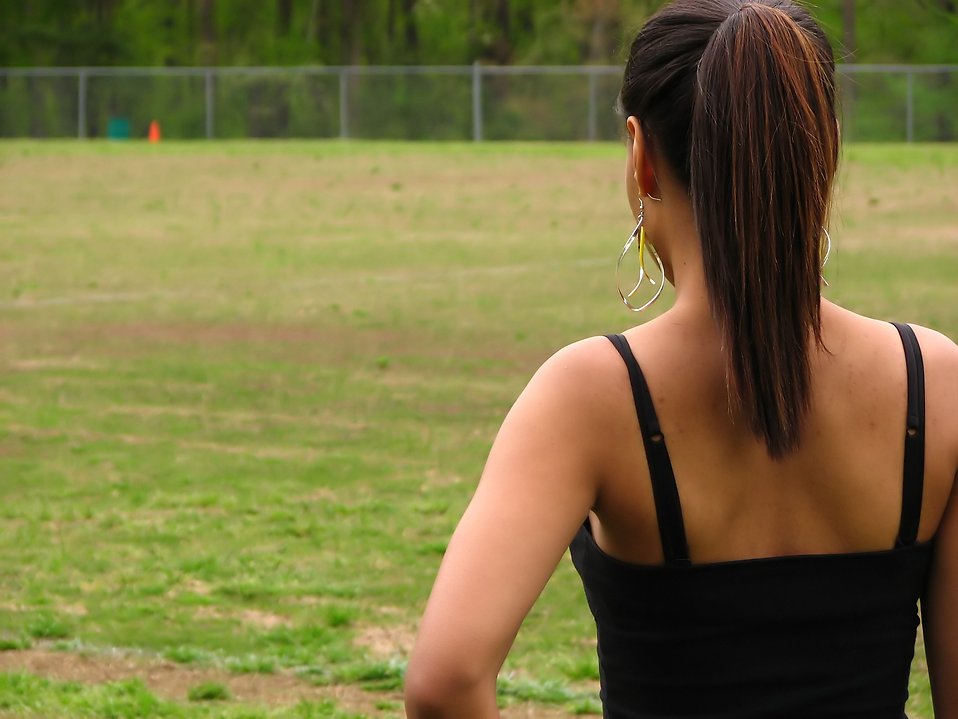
<point>849,41</point>
<point>284,17</point>
<point>336,32</point>
<point>848,29</point>
<point>605,24</point>
<point>208,32</point>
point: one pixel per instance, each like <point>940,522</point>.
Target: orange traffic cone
<point>154,134</point>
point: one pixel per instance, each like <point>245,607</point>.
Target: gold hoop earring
<point>639,233</point>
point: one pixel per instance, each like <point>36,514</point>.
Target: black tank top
<point>797,636</point>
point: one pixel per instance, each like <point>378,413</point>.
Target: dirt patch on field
<point>97,346</point>
<point>319,419</point>
<point>55,363</point>
<point>196,586</point>
<point>386,642</point>
<point>203,334</point>
<point>289,339</point>
<point>173,681</point>
<point>251,617</point>
<point>530,711</point>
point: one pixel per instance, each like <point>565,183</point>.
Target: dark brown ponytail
<point>754,85</point>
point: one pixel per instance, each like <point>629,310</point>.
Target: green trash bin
<point>118,128</point>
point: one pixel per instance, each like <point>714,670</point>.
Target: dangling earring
<point>639,232</point>
<point>828,251</point>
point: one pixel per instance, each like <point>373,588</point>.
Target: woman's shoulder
<point>937,347</point>
<point>939,355</point>
<point>940,359</point>
<point>580,371</point>
<point>582,381</point>
<point>568,413</point>
<point>872,340</point>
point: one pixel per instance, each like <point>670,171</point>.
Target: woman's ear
<point>640,155</point>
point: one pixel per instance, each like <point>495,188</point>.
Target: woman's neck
<point>686,269</point>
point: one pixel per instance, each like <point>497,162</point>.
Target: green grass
<point>248,388</point>
<point>208,692</point>
<point>47,626</point>
<point>30,696</point>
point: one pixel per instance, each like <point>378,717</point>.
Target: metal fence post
<point>476,102</point>
<point>343,103</point>
<point>593,117</point>
<point>81,104</point>
<point>210,99</point>
<point>910,112</point>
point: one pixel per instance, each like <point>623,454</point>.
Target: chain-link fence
<point>880,102</point>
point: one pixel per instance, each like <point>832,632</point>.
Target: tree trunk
<point>848,29</point>
<point>848,80</point>
<point>474,18</point>
<point>103,10</point>
<point>284,17</point>
<point>602,36</point>
<point>313,25</point>
<point>503,49</point>
<point>412,32</point>
<point>391,22</point>
<point>352,30</point>
<point>191,31</point>
<point>208,32</point>
<point>946,128</point>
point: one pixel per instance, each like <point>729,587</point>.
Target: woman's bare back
<point>840,492</point>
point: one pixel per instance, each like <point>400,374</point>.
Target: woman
<point>763,475</point>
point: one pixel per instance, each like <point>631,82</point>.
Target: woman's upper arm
<point>539,482</point>
<point>940,603</point>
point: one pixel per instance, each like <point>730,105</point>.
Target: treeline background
<point>230,33</point>
<point>430,32</point>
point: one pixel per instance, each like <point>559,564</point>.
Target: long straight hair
<point>739,97</point>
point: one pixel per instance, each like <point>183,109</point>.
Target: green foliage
<point>298,32</point>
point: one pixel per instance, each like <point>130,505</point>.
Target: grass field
<point>246,391</point>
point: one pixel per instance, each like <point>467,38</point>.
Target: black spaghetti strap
<point>668,508</point>
<point>914,470</point>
